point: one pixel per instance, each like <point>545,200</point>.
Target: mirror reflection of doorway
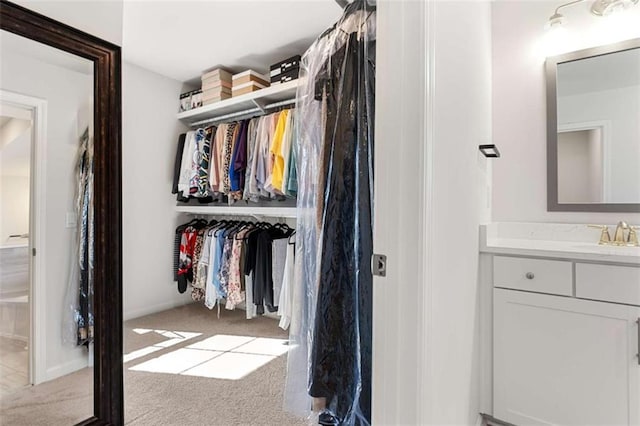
<point>42,190</point>
<point>15,158</point>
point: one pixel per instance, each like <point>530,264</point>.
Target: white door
<point>433,105</point>
<point>27,302</point>
<point>565,361</point>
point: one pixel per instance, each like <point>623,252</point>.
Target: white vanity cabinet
<point>565,342</point>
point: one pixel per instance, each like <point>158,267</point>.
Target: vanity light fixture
<point>489,151</point>
<point>598,8</point>
<point>606,7</point>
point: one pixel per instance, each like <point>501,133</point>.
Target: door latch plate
<point>379,265</point>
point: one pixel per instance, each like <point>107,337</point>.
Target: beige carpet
<point>153,398</point>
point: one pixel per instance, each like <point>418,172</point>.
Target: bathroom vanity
<point>560,326</point>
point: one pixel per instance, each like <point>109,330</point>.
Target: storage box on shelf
<point>248,81</point>
<point>216,86</point>
<point>286,70</point>
<point>253,100</point>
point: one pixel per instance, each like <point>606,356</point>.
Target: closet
<point>290,164</point>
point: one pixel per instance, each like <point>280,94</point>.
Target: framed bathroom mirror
<point>103,61</point>
<point>593,129</point>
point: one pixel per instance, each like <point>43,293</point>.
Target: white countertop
<point>575,242</point>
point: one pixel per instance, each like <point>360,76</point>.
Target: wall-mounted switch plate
<point>71,220</point>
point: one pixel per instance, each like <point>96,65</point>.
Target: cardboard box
<point>217,91</point>
<point>216,84</point>
<point>216,95</point>
<point>217,74</point>
<point>249,76</point>
<point>247,88</point>
<point>216,99</point>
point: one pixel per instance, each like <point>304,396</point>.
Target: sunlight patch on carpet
<point>218,357</point>
<point>173,338</point>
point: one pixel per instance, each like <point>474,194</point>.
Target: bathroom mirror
<point>593,129</point>
<point>103,84</point>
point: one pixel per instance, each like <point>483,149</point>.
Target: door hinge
<point>33,251</point>
<point>379,265</point>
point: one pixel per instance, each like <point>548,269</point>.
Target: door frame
<point>37,216</point>
<point>108,399</point>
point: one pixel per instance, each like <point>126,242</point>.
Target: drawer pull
<point>529,275</point>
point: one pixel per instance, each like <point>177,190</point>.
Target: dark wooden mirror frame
<point>108,384</point>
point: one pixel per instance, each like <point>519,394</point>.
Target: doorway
<point>16,131</point>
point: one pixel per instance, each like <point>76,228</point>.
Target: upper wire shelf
<point>250,103</point>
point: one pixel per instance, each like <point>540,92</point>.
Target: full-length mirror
<point>60,223</point>
<point>593,119</point>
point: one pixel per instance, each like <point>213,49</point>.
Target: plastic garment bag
<point>79,321</point>
<point>330,357</point>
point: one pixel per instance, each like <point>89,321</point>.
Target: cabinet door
<point>564,361</point>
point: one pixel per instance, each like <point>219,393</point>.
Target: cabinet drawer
<point>540,276</point>
<point>619,284</point>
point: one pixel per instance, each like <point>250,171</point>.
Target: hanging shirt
<point>215,164</point>
<point>194,175</point>
<point>186,167</point>
<point>234,295</point>
<point>285,150</point>
<point>204,189</point>
<point>278,259</point>
<point>249,176</point>
<point>185,267</point>
<point>238,162</point>
<point>178,163</point>
<point>227,150</point>
<point>265,160</point>
<point>275,150</point>
<point>285,302</point>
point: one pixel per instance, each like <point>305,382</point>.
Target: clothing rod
<point>243,113</point>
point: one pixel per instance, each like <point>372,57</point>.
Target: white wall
<point>621,109</point>
<point>14,208</point>
<point>462,104</point>
<point>149,138</point>
<point>580,167</point>
<point>101,18</point>
<point>15,148</point>
<point>519,48</point>
<point>65,91</point>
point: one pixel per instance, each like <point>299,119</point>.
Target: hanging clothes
<point>233,261</point>
<point>285,302</point>
<point>178,162</point>
<point>274,183</point>
<point>342,68</point>
<point>250,183</point>
<point>80,292</point>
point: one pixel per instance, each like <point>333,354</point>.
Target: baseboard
<point>148,310</point>
<point>67,368</point>
<point>492,421</point>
